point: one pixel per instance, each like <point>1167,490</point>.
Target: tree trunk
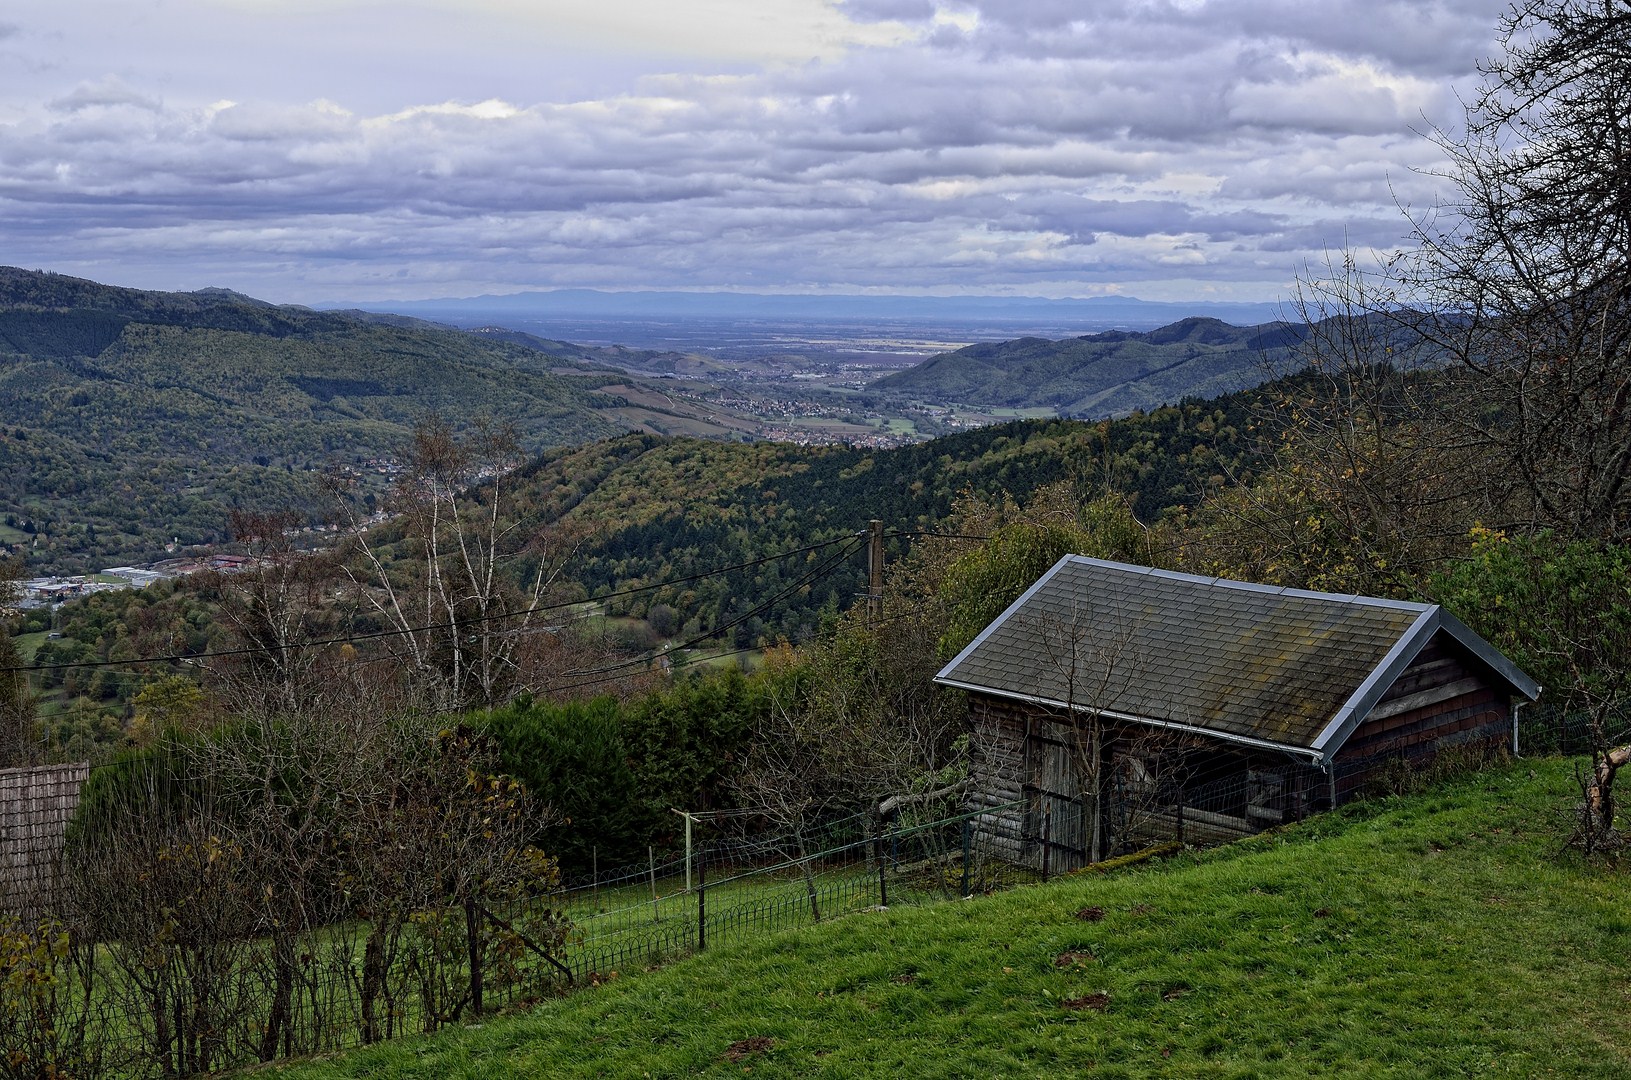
<point>472,934</point>
<point>282,996</point>
<point>373,982</point>
<point>809,880</point>
<point>1597,822</point>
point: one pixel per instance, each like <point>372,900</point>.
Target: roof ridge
<point>1250,586</point>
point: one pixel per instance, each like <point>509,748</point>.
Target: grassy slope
<point>1428,936</point>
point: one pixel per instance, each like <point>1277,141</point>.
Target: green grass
<point>1034,413</point>
<point>29,644</point>
<point>1436,935</point>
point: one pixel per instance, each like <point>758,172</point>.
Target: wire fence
<point>733,889</point>
<point>71,1006</point>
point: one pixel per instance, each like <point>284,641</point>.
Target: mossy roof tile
<point>1225,656</point>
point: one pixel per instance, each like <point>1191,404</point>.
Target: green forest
<point>131,419</point>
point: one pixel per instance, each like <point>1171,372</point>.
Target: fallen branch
<point>892,805</point>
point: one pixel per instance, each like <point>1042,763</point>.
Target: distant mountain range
<point>1107,374</point>
<point>128,417</point>
<point>566,304</point>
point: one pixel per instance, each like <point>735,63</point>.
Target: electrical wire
<point>934,535</point>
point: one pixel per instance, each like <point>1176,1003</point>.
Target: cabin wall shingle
<point>36,805</point>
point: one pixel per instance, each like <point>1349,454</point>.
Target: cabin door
<point>1057,826</point>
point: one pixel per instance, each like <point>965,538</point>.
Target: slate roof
<point>1288,668</point>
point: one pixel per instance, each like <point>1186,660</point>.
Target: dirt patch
<point>1071,959</point>
<point>1090,914</point>
<point>742,1049</point>
<point>1096,1002</point>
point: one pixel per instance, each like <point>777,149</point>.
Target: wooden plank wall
<point>1444,699</point>
<point>36,805</point>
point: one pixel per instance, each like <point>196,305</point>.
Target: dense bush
<point>613,770</point>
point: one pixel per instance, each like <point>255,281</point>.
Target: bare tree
<point>274,607</point>
<point>1369,472</point>
<point>466,592</point>
<point>241,884</point>
<point>1524,277</point>
<point>1104,780</point>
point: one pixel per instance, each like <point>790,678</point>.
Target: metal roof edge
<point>1168,725</point>
<point>1364,698</point>
<point>1490,655</point>
<point>979,639</point>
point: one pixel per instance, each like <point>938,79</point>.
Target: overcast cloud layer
<point>307,150</point>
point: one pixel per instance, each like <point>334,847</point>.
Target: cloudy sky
<point>315,150</point>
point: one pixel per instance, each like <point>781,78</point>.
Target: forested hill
<point>667,508</point>
<point>1108,374</point>
<point>128,417</point>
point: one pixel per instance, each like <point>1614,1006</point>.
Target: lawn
<point>1434,935</point>
<point>29,644</point>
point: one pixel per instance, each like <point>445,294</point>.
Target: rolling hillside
<point>128,417</point>
<point>1109,374</point>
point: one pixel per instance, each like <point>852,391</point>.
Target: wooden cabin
<point>1115,704</point>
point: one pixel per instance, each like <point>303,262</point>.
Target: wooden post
<point>594,875</point>
<point>874,595</point>
<point>968,844</point>
<point>688,819</point>
<point>1047,824</point>
<point>702,901</point>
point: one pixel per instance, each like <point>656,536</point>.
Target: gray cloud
<point>883,10</point>
<point>1043,146</point>
<point>107,93</point>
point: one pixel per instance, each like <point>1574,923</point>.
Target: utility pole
<point>874,595</point>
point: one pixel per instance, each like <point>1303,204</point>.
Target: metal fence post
<point>968,844</point>
<point>651,859</point>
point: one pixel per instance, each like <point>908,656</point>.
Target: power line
<point>404,631</point>
<point>935,535</point>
